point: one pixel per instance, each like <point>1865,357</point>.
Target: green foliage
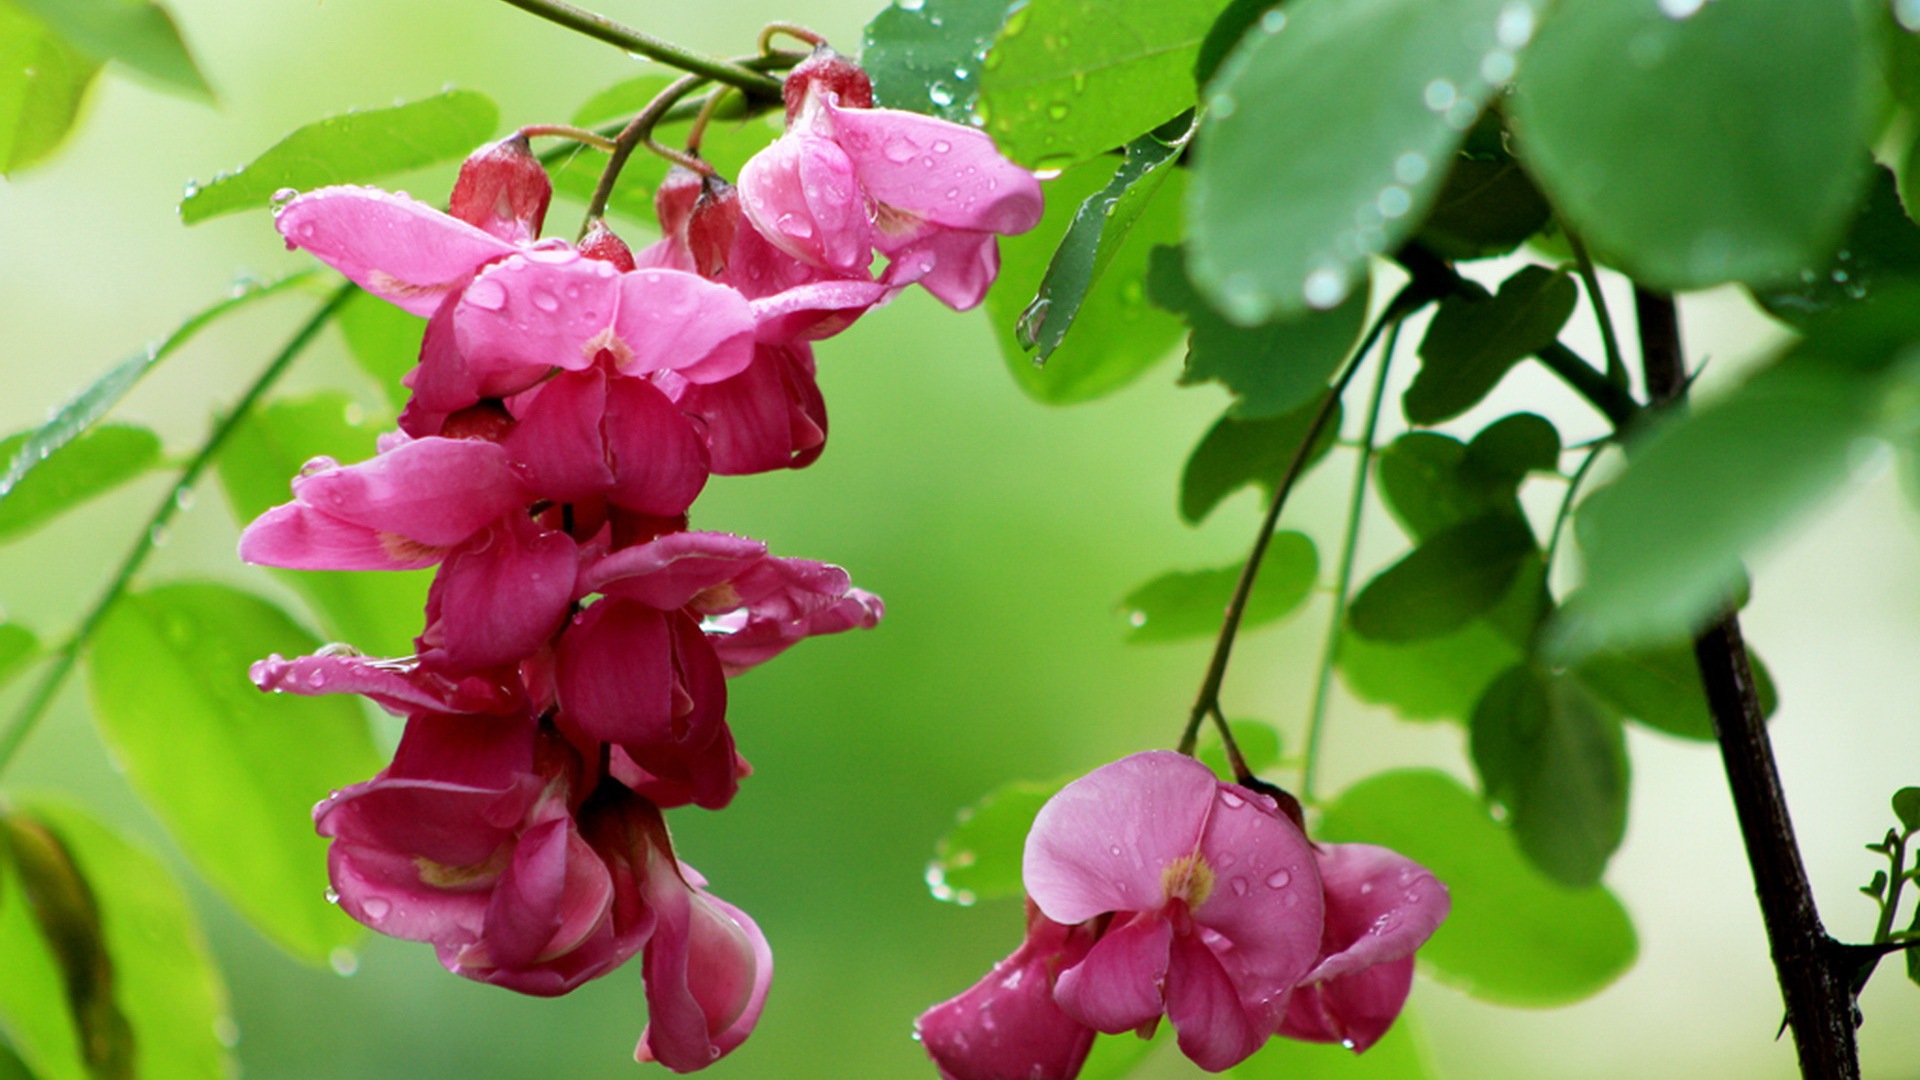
<point>42,82</point>
<point>1069,79</point>
<point>1456,574</point>
<point>1474,340</point>
<point>1120,335</point>
<point>383,339</point>
<point>1659,686</point>
<point>979,859</point>
<point>926,58</point>
<point>1259,744</point>
<point>1514,937</point>
<point>1116,1056</point>
<point>92,465</point>
<point>1906,807</point>
<point>1433,482</point>
<point>33,1003</point>
<point>1443,677</point>
<point>379,612</point>
<point>1399,1055</point>
<point>1327,137</point>
<point>1881,245</point>
<point>621,100</point>
<point>1661,141</point>
<point>18,647</point>
<point>232,772</point>
<point>1183,604</point>
<point>1236,453</point>
<point>1272,368</point>
<point>137,33</point>
<point>1487,205</point>
<point>1095,236</point>
<point>353,148</point>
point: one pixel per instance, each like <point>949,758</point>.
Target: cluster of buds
<point>570,402</point>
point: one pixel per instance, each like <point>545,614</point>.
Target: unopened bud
<point>600,243</point>
<point>827,72</point>
<point>488,421</point>
<point>503,189</point>
<point>711,227</point>
<point>674,199</point>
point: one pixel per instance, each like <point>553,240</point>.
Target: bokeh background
<point>1001,533</point>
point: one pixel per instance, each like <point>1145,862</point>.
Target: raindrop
<point>1410,167</point>
<point>192,189</point>
<point>1234,802</point>
<point>376,908</point>
<point>941,146</point>
<point>1394,202</point>
<point>1347,1044</point>
<point>1514,26</point>
<point>1221,105</point>
<point>1460,115</point>
<point>343,961</point>
<point>939,94</point>
<point>1239,886</point>
<point>1136,619</point>
<point>1027,330</point>
<point>1279,879</point>
<point>1114,850</point>
<point>486,294</point>
<point>952,194</point>
<point>1908,14</point>
<point>282,197</point>
<point>1058,110</point>
<point>546,301</point>
<point>1440,94</point>
<point>1273,21</point>
<point>1497,67</point>
<point>789,225</point>
<point>158,535</point>
<point>333,895</point>
<point>226,1032</point>
<point>1681,9</point>
<point>183,498</point>
<point>910,5</point>
<point>1839,277</point>
<point>1324,288</point>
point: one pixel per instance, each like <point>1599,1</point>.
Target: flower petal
<point>669,572</point>
<point>943,172</point>
<point>672,320</point>
<point>1119,986</point>
<point>1105,841</point>
<point>536,311</point>
<point>558,439</point>
<point>801,194</point>
<point>400,250</point>
<point>1265,898</point>
<point>1381,907</point>
<point>1007,1026</point>
<point>1215,1032</point>
<point>499,597</point>
<point>431,491</point>
<point>1353,1010</point>
<point>299,537</point>
<point>615,676</point>
<point>659,461</point>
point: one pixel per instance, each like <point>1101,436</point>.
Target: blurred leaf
<point>980,858</point>
<point>1515,937</point>
<point>1235,453</point>
<point>232,772</point>
<point>378,612</point>
<point>1119,334</point>
<point>1658,138</point>
<point>1272,368</point>
<point>1659,686</point>
<point>384,340</point>
<point>1099,228</point>
<point>1473,342</point>
<point>1259,744</point>
<point>1116,1056</point>
<point>1487,206</point>
<point>1882,243</point>
<point>138,33</point>
<point>1451,577</point>
<point>1185,604</point>
<point>1399,1055</point>
<point>18,647</point>
<point>89,405</point>
<point>1432,482</point>
<point>1906,806</point>
<point>42,81</point>
<point>1228,30</point>
<point>1327,138</point>
<point>1443,677</point>
<point>1505,451</point>
<point>352,148</point>
<point>68,919</point>
<point>33,1001</point>
<point>1069,79</point>
<point>1899,53</point>
<point>1558,760</point>
<point>621,100</point>
<point>93,464</point>
<point>11,1067</point>
<point>926,57</point>
<point>164,975</point>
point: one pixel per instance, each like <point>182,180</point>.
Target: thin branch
<point>638,130</point>
<point>1609,340</point>
<point>1565,512</point>
<point>604,29</point>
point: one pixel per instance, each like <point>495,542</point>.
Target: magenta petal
<point>525,908</point>
<point>659,461</point>
<point>748,418</point>
<point>383,889</point>
<point>1266,896</point>
<point>400,250</point>
<point>431,491</point>
<point>817,310</point>
<point>1353,1010</point>
<point>1118,986</point>
<point>494,752</point>
<point>299,537</point>
<point>1007,1026</point>
<point>743,1024</point>
<point>763,639</point>
<point>557,437</point>
<point>937,170</point>
<point>1104,842</point>
<point>400,687</point>
<point>1381,907</point>
<point>705,972</point>
<point>801,195</point>
<point>1215,1032</point>
<point>614,674</point>
<point>539,310</point>
<point>441,382</point>
<point>956,265</point>
<point>449,830</point>
<point>499,597</point>
<point>676,321</point>
<point>782,589</point>
<point>669,572</point>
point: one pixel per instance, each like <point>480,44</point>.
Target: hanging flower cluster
<point>1155,890</point>
<point>570,402</point>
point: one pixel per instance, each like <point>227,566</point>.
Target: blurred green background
<point>1001,534</point>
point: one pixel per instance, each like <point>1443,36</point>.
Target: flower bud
<point>711,227</point>
<point>503,190</point>
<point>827,72</point>
<point>600,243</point>
<point>674,199</point>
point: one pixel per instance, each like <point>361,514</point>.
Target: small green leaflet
<point>352,148</point>
<point>1473,341</point>
<point>1906,807</point>
<point>620,101</point>
<point>1659,686</point>
<point>1443,677</point>
<point>1237,453</point>
<point>1432,482</point>
<point>1459,573</point>
<point>1883,243</point>
<point>42,81</point>
<point>137,33</point>
<point>1181,605</point>
<point>925,56</point>
<point>98,461</point>
<point>1487,206</point>
<point>18,647</point>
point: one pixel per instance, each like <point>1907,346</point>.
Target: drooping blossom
<point>1007,1026</point>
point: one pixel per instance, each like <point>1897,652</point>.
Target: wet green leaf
<point>95,463</point>
<point>1659,686</point>
<point>1487,206</point>
<point>42,82</point>
<point>1557,759</point>
<point>1271,369</point>
<point>1515,937</point>
<point>1326,140</point>
<point>980,858</point>
<point>1457,574</point>
<point>1186,604</point>
<point>1658,138</point>
<point>1239,17</point>
<point>352,148</point>
<point>621,100</point>
<point>233,773</point>
<point>137,33</point>
<point>1236,453</point>
<point>1473,341</point>
<point>1069,79</point>
<point>1882,243</point>
<point>1443,677</point>
<point>926,57</point>
<point>384,340</point>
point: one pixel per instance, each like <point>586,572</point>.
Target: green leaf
<point>1487,206</point>
<point>1659,686</point>
<point>232,772</point>
<point>1882,243</point>
<point>1272,368</point>
<point>1505,451</point>
<point>1069,79</point>
<point>11,1067</point>
<point>1432,482</point>
<point>33,1003</point>
<point>42,82</point>
<point>1328,135</point>
<point>93,464</point>
<point>1514,937</point>
<point>1906,806</point>
<point>926,56</point>
<point>1443,677</point>
<point>85,409</point>
<point>138,33</point>
<point>352,148</point>
<point>1399,1055</point>
<point>18,647</point>
<point>1094,238</point>
<point>1658,138</point>
<point>1473,341</point>
<point>1899,54</point>
<point>980,858</point>
<point>1236,453</point>
<point>1259,744</point>
<point>1189,604</point>
<point>1120,335</point>
<point>384,340</point>
<point>1457,574</point>
<point>1116,1056</point>
<point>378,612</point>
<point>1234,22</point>
<point>1558,760</point>
<point>164,975</point>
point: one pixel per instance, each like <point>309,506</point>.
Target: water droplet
<point>333,895</point>
<point>1681,9</point>
<point>546,301</point>
<point>1440,94</point>
<point>939,94</point>
<point>910,5</point>
<point>1347,1044</point>
<point>1221,106</point>
<point>1058,110</point>
<point>1239,886</point>
<point>343,961</point>
<point>1461,114</point>
<point>1273,21</point>
<point>158,535</point>
<point>183,498</point>
<point>1016,23</point>
<point>226,1032</point>
<point>280,198</point>
<point>1279,879</point>
<point>1324,288</point>
<point>376,908</point>
<point>1136,619</point>
<point>1497,67</point>
<point>1233,801</point>
<point>1410,167</point>
<point>1027,330</point>
<point>1394,202</point>
<point>789,224</point>
<point>1514,26</point>
<point>486,294</point>
<point>991,60</point>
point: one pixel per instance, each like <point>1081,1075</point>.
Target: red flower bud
<point>503,190</point>
<point>600,243</point>
<point>827,72</point>
<point>711,227</point>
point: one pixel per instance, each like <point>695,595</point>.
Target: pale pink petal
<point>762,640</point>
<point>671,571</point>
<point>1265,897</point>
<point>499,597</point>
<point>299,537</point>
<point>400,250</point>
<point>558,440</point>
<point>817,310</point>
<point>801,194</point>
<point>742,1026</point>
<point>534,312</point>
<point>382,889</point>
<point>759,269</point>
<point>431,491</point>
<point>1214,1032</point>
<point>659,461</point>
<point>1353,1010</point>
<point>441,382</point>
<point>1381,907</point>
<point>1007,1026</point>
<point>1104,842</point>
<point>1118,986</point>
<point>454,833</point>
<point>937,170</point>
<point>782,590</point>
<point>956,265</point>
<point>677,321</point>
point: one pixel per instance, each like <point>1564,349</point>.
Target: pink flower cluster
<point>1155,890</point>
<point>569,404</point>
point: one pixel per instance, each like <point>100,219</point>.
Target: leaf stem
<point>1565,512</point>
<point>604,29</point>
<point>1896,877</point>
<point>1610,341</point>
<point>1343,581</point>
<point>36,705</point>
<point>640,130</point>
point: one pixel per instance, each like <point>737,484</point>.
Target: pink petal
<point>499,597</point>
<point>1265,898</point>
<point>704,789</point>
<point>669,572</point>
<point>1118,986</point>
<point>400,687</point>
<point>818,310</point>
<point>770,416</point>
<point>677,321</point>
<point>1215,1033</point>
<point>449,830</point>
<point>782,590</point>
<point>659,461</point>
<point>801,194</point>
<point>614,673</point>
<point>1106,840</point>
<point>382,889</point>
<point>943,172</point>
<point>558,437</point>
<point>431,491</point>
<point>1381,907</point>
<point>473,751</point>
<point>400,250</point>
<point>762,640</point>
<point>707,970</point>
<point>1353,1010</point>
<point>299,537</point>
<point>1007,1026</point>
<point>956,265</point>
<point>534,312</point>
<point>441,382</point>
<point>524,911</point>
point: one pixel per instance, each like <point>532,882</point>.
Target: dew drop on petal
<point>486,294</point>
<point>546,301</point>
<point>1239,886</point>
<point>1279,879</point>
<point>376,908</point>
<point>1234,802</point>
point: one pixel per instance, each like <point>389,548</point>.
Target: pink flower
<point>1381,907</point>
<point>1007,1026</point>
<point>403,687</point>
<point>1215,902</point>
